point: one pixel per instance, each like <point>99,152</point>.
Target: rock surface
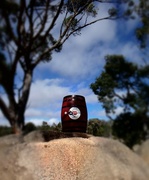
<point>74,158</point>
<point>143,151</point>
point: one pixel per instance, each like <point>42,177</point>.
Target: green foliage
<point>9,6</point>
<point>140,9</point>
<point>46,127</point>
<point>142,32</point>
<point>29,127</point>
<point>5,130</point>
<point>124,84</point>
<point>113,12</point>
<point>91,10</point>
<point>71,22</point>
<point>121,75</point>
<point>130,128</point>
<point>82,6</point>
<point>97,127</point>
<point>75,6</point>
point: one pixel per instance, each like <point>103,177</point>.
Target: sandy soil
<point>73,158</point>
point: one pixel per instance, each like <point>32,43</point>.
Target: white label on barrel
<point>74,113</point>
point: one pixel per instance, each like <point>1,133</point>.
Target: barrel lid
<point>73,95</point>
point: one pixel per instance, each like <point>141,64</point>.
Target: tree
<point>140,10</point>
<point>129,128</point>
<point>4,130</point>
<point>122,84</point>
<point>27,30</point>
<point>142,32</point>
<point>29,127</point>
<point>126,85</point>
<point>98,127</point>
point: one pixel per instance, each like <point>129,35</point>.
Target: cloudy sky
<point>78,64</point>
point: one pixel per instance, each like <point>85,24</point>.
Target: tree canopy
<point>142,32</point>
<point>122,84</point>
<point>131,128</point>
<point>98,127</point>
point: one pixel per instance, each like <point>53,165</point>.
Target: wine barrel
<point>74,114</point>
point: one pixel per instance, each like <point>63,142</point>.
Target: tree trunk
<point>16,129</point>
<point>17,124</point>
<point>14,112</point>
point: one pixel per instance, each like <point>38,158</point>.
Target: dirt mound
<point>89,158</point>
<point>143,151</point>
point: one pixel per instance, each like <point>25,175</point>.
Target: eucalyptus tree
<point>30,30</point>
<point>122,84</point>
<point>142,32</point>
<point>125,85</point>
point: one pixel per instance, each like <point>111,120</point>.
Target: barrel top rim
<point>74,95</point>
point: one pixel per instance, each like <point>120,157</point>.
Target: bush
<point>98,127</point>
<point>129,128</point>
<point>5,130</point>
<point>29,127</point>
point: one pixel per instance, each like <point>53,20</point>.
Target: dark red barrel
<point>74,114</point>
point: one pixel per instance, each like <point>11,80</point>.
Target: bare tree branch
<point>81,27</point>
<point>30,17</point>
<point>42,20</point>
<point>52,23</point>
<point>20,26</point>
<point>8,25</point>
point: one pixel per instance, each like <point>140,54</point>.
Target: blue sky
<point>78,64</point>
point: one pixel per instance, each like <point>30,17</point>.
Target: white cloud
<point>81,55</point>
<point>98,113</point>
<point>119,110</point>
<point>53,121</point>
<point>44,92</point>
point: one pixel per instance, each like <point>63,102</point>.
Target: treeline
<point>29,127</point>
<point>5,130</point>
<point>95,127</point>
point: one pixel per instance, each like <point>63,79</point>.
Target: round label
<point>74,113</point>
